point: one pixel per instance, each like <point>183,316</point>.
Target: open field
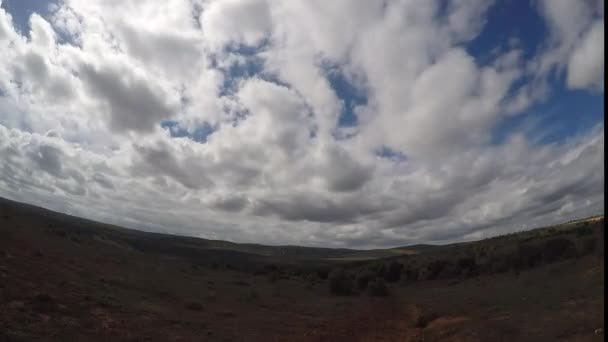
<point>68,279</point>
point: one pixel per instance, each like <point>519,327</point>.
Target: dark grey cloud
<point>103,181</point>
<point>230,203</point>
<point>422,208</point>
<point>133,105</point>
<point>36,65</point>
<point>158,160</point>
<point>317,208</point>
<point>48,158</point>
<point>344,174</point>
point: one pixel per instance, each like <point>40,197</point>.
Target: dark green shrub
<point>194,306</point>
<point>558,248</point>
<point>43,303</point>
<point>435,268</point>
<point>274,277</point>
<point>379,269</point>
<point>499,264</point>
<point>584,231</point>
<point>411,274</point>
<point>393,271</point>
<point>588,246</point>
<point>364,278</point>
<point>323,273</point>
<point>527,256</point>
<point>467,265</point>
<point>340,282</point>
<point>377,287</point>
<point>270,268</point>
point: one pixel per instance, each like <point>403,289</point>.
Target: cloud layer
<point>225,119</point>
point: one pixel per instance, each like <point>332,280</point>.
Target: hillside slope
<point>68,279</point>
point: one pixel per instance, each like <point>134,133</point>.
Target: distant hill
<point>193,247</point>
<point>225,251</point>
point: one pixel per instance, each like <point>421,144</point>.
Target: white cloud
<point>586,65</point>
<point>235,22</point>
<point>83,98</point>
<point>576,42</point>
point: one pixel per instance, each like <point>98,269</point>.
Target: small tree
<point>376,287</point>
<point>527,256</point>
<point>364,278</point>
<point>340,283</point>
<point>435,268</point>
<point>558,248</point>
<point>411,274</point>
<point>393,271</point>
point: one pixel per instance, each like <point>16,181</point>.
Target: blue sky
<point>22,9</point>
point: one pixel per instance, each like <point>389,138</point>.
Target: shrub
<point>379,269</point>
<point>558,248</point>
<point>340,283</point>
<point>527,256</point>
<point>499,264</point>
<point>323,273</point>
<point>364,278</point>
<point>393,271</point>
<point>588,246</point>
<point>376,287</point>
<point>194,306</point>
<point>467,265</point>
<point>43,303</point>
<point>435,268</point>
<point>311,280</point>
<point>274,277</point>
<point>270,268</point>
<point>584,231</point>
<point>411,274</point>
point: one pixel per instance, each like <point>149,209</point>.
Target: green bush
<point>194,306</point>
<point>527,256</point>
<point>393,271</point>
<point>435,268</point>
<point>584,231</point>
<point>467,266</point>
<point>340,282</point>
<point>411,274</point>
<point>377,287</point>
<point>364,278</point>
<point>499,264</point>
<point>323,273</point>
<point>558,248</point>
<point>588,246</point>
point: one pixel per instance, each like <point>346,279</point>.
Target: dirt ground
<point>56,287</point>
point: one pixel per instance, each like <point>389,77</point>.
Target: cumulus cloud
<point>576,42</point>
<point>222,119</point>
<point>586,65</point>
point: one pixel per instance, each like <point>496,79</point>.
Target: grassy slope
<point>190,246</point>
<point>63,278</point>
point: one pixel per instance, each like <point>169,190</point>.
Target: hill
<point>66,278</point>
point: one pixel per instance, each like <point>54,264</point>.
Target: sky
<point>340,123</point>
